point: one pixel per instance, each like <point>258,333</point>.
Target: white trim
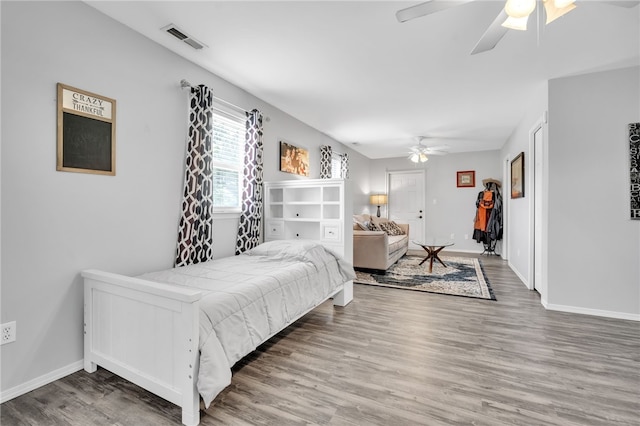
<point>45,379</point>
<point>530,188</point>
<point>506,169</point>
<point>422,173</point>
<point>454,250</point>
<point>594,312</point>
<point>228,215</point>
<point>515,271</point>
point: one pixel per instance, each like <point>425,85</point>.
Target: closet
<point>487,227</point>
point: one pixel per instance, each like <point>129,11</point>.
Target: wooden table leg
<point>435,254</point>
<point>432,253</point>
<point>426,258</point>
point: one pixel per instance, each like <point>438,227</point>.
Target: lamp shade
<point>378,200</point>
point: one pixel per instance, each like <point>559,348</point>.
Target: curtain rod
<point>185,84</point>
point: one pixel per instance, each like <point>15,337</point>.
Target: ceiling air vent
<point>180,35</point>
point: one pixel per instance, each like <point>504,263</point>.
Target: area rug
<point>463,276</point>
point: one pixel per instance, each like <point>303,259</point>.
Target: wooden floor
<point>396,357</point>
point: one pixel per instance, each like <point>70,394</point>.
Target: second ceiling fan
<point>514,16</point>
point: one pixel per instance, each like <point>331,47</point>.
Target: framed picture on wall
<point>294,159</point>
<point>466,179</point>
<point>517,176</point>
<point>86,140</point>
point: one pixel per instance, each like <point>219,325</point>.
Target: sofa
<point>377,250</point>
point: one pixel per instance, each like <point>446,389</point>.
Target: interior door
<point>406,202</point>
<point>537,209</point>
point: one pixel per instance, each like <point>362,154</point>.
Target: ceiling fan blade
<point>440,148</point>
<point>427,8</point>
<point>493,35</point>
<point>623,3</point>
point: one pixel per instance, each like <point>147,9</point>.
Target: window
<point>336,166</point>
<point>336,160</point>
<point>228,156</point>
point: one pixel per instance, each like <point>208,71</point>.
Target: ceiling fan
<point>514,16</point>
<point>419,153</point>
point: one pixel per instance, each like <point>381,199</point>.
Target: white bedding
<point>250,297</point>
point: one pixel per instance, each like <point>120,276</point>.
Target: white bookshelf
<point>315,209</point>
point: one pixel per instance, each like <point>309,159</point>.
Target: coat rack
<point>488,221</point>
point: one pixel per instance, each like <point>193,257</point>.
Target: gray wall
<point>454,209</point>
<point>591,253</point>
<point>54,224</point>
<point>594,248</point>
<point>518,210</point>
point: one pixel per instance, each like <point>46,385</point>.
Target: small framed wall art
<point>517,176</point>
<point>86,132</point>
<point>466,179</point>
<point>294,159</point>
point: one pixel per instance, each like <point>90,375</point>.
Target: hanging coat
<point>484,204</point>
<point>494,225</point>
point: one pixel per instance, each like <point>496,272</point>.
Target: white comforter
<point>250,297</point>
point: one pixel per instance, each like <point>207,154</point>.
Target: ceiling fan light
<point>423,157</point>
<point>415,157</point>
<point>561,4</point>
<point>553,12</point>
<point>520,8</point>
<point>519,24</point>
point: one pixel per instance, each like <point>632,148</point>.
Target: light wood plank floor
<point>396,357</point>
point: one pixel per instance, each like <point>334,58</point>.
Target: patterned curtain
<point>251,215</point>
<point>325,162</point>
<point>344,166</point>
<point>195,233</point>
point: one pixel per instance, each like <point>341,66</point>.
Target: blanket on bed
<point>250,297</point>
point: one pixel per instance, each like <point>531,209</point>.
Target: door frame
<point>423,175</point>
<point>506,178</point>
<point>536,180</point>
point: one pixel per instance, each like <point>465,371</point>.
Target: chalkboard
<point>86,132</point>
<point>86,143</point>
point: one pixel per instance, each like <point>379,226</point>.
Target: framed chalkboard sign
<point>86,132</point>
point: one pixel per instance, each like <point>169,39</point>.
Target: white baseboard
<point>519,275</point>
<point>453,249</point>
<point>40,381</point>
<point>595,312</point>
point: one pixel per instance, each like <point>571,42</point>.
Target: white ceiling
<point>350,70</point>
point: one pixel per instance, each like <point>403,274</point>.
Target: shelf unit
<point>315,209</point>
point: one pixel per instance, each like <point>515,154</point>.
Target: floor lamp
<point>378,200</point>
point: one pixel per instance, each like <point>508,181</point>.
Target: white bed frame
<point>147,333</point>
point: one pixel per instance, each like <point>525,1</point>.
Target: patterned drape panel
<point>344,166</point>
<point>251,215</point>
<point>325,162</point>
<point>195,233</point>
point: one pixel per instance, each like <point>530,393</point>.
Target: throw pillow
<point>386,227</point>
<point>391,228</point>
<point>361,226</point>
<point>396,227</point>
<point>373,226</point>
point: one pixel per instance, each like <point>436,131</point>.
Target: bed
<point>178,332</point>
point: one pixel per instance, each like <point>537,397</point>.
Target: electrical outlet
<point>8,332</point>
<point>453,236</point>
<point>466,236</point>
